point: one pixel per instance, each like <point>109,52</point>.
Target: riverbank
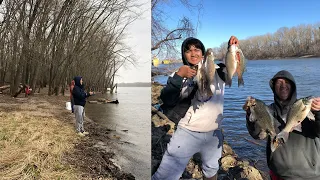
<point>38,141</point>
<point>231,166</point>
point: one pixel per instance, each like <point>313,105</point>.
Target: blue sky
<point>244,18</point>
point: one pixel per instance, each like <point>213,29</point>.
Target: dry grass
<point>32,147</point>
<point>38,141</point>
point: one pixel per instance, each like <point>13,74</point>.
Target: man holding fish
<point>292,128</point>
<point>198,127</point>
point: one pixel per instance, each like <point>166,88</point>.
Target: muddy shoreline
<point>89,156</point>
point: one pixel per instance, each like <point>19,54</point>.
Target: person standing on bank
<point>79,96</point>
<point>198,130</point>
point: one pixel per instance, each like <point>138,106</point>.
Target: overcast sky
<point>139,39</point>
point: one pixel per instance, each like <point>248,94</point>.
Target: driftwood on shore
<point>21,89</point>
<point>4,87</point>
<point>103,101</point>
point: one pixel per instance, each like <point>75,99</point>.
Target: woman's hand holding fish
<point>315,106</point>
<point>186,72</point>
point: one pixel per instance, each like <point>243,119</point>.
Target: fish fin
<point>274,145</point>
<point>271,112</point>
<point>209,92</point>
<point>240,82</point>
<point>282,137</point>
<point>225,70</point>
<point>212,88</point>
<point>311,117</point>
<point>252,117</point>
<point>228,82</point>
<point>262,135</point>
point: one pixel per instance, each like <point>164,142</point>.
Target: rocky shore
<point>231,166</point>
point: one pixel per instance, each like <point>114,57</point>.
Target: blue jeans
<point>183,145</point>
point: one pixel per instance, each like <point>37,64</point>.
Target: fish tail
<point>228,81</point>
<point>278,140</point>
<point>240,81</point>
<point>311,117</point>
<point>282,136</point>
<point>274,145</point>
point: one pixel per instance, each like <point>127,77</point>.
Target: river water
<point>131,114</point>
<point>256,80</point>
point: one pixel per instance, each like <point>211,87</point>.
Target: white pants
<point>183,145</point>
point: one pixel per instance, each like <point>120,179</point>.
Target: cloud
<point>139,39</point>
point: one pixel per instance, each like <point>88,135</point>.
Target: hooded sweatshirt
<point>299,157</point>
<point>202,116</point>
<point>79,95</point>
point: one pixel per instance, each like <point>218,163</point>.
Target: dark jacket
<point>299,157</point>
<point>78,92</point>
<point>170,94</point>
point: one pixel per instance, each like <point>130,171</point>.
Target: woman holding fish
<point>292,128</point>
<point>198,130</point>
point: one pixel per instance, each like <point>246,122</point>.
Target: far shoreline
<point>305,57</point>
<point>274,58</point>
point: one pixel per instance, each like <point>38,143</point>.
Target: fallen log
<point>160,114</point>
<point>2,88</point>
<point>22,87</point>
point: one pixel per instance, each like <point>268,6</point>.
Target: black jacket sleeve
<point>317,122</point>
<point>221,72</point>
<point>171,92</point>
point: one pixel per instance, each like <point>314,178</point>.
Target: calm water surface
<point>256,80</point>
<point>132,114</point>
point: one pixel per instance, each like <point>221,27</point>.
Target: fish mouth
<point>249,103</point>
<point>276,142</point>
<point>279,141</point>
<point>307,100</point>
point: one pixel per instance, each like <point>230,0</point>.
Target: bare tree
<point>165,39</point>
<point>49,42</point>
<point>285,42</point>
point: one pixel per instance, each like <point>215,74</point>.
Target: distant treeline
<point>136,84</point>
<point>285,42</point>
